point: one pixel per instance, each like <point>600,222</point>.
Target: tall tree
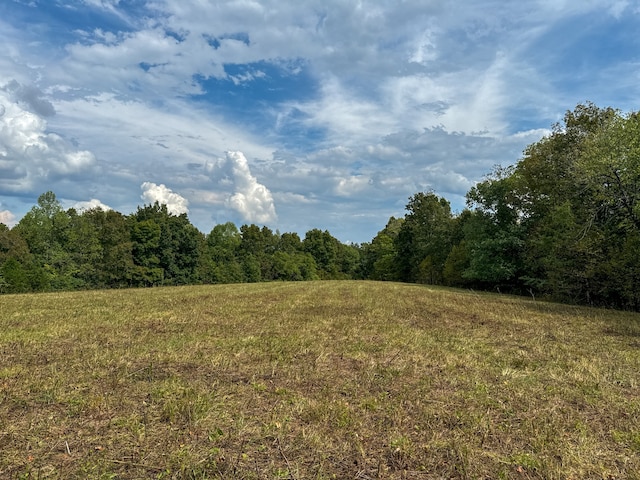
<point>494,235</point>
<point>323,247</point>
<point>220,262</point>
<point>45,228</point>
<point>379,258</point>
<point>166,247</point>
<point>424,240</point>
<point>115,266</point>
<point>19,272</point>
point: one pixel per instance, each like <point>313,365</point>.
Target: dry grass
<point>345,380</point>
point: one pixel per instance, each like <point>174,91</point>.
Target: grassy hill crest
<point>337,379</point>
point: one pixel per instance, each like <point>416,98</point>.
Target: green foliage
<point>294,266</point>
<point>323,247</point>
<point>379,256</point>
<point>14,277</point>
<point>562,223</point>
<point>424,239</point>
<point>115,265</point>
<point>457,262</point>
<point>166,248</point>
<point>333,259</point>
<point>219,262</point>
<point>18,271</point>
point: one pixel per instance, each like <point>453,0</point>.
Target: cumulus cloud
<point>30,154</point>
<point>8,218</point>
<point>244,194</point>
<point>90,205</point>
<point>176,203</point>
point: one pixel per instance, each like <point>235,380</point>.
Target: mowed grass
<point>317,380</point>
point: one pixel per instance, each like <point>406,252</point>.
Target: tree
<point>379,260</point>
<point>13,277</point>
<point>45,229</point>
<point>610,167</point>
<point>459,257</point>
<point>220,263</point>
<point>36,227</point>
<point>80,240</point>
<point>115,266</point>
<point>256,248</point>
<point>145,236</point>
<point>424,240</point>
<point>323,247</point>
<point>495,234</point>
<point>290,243</point>
<point>180,244</point>
<point>294,266</point>
<point>577,189</point>
<point>166,247</point>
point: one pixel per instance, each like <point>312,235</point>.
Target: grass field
<point>317,380</point>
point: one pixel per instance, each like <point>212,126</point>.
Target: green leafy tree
<point>323,247</point>
<point>459,257</point>
<point>349,261</point>
<point>379,258</point>
<point>145,235</point>
<point>13,252</point>
<point>257,247</point>
<point>220,262</point>
<point>14,275</point>
<point>576,191</point>
<point>80,240</point>
<point>181,246</point>
<point>166,248</point>
<point>425,239</point>
<point>294,266</point>
<point>45,228</point>
<point>494,236</point>
<point>115,266</point>
<point>290,243</point>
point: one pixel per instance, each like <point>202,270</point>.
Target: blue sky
<point>296,115</point>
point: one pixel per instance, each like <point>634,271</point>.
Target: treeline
<point>54,249</point>
<point>563,223</point>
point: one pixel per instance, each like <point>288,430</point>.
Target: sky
<point>293,114</point>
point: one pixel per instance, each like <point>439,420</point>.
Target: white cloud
<point>176,204</point>
<point>8,218</point>
<point>339,106</point>
<point>347,116</point>
<point>250,198</point>
<point>91,204</point>
<point>352,185</point>
<point>30,96</point>
<point>30,154</point>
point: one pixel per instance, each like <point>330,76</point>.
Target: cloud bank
<point>30,155</point>
<point>341,110</point>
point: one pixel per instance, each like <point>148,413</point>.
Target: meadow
<point>315,380</point>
